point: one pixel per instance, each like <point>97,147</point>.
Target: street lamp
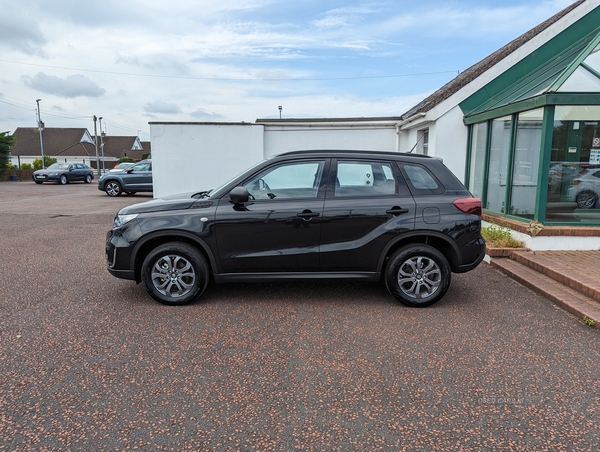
<point>280,108</point>
<point>40,128</point>
<point>102,145</point>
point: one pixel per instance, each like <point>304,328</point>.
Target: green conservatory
<point>534,133</point>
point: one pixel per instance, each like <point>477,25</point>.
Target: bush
<point>27,166</point>
<point>37,163</point>
<point>125,160</point>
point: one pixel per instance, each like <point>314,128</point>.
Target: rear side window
<point>364,178</point>
<point>421,180</point>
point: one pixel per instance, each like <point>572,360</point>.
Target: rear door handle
<point>308,214</point>
<point>396,211</point>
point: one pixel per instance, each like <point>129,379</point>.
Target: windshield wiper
<point>202,194</point>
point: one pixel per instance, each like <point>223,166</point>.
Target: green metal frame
<point>514,121</point>
<point>541,199</point>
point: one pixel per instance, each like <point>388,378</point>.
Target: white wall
<point>280,139</point>
<point>190,157</point>
<point>450,142</point>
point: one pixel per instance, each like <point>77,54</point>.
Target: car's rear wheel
<point>586,199</point>
<point>418,275</point>
<point>62,180</point>
<point>113,188</point>
<point>88,179</point>
<point>175,273</point>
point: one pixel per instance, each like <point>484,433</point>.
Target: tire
<point>586,199</point>
<point>418,275</point>
<point>113,188</point>
<point>39,182</point>
<point>63,180</point>
<point>175,273</point>
<point>88,179</point>
<point>130,193</point>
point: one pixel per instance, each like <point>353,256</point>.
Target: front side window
<point>363,178</point>
<point>292,180</point>
<point>140,167</point>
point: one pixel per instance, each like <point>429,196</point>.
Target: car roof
<point>352,152</point>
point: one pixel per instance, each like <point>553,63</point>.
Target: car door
<point>138,177</point>
<point>279,229</point>
<point>367,205</point>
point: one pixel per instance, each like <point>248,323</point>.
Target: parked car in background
<point>63,173</point>
<point>585,188</point>
<point>404,219</point>
<point>122,166</point>
<point>137,178</point>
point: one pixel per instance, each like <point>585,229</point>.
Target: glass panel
<point>573,183</point>
<point>581,81</point>
<point>526,161</point>
<point>478,147</point>
<point>364,179</point>
<point>296,180</point>
<point>593,59</point>
<point>498,164</point>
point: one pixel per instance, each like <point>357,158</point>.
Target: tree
<point>37,163</point>
<point>6,141</point>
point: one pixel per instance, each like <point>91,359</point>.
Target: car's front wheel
<point>113,188</point>
<point>175,273</point>
<point>418,275</point>
<point>63,180</point>
<point>586,199</point>
<point>88,179</point>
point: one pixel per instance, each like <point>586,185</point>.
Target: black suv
<point>401,218</point>
<point>129,180</point>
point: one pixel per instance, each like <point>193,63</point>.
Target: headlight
<point>120,220</point>
<point>53,174</point>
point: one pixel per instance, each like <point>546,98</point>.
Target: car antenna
<point>413,148</point>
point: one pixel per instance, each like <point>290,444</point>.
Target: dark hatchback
<point>63,173</point>
<point>401,218</point>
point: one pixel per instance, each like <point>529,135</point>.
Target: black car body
<point>129,180</point>
<point>63,173</point>
<point>368,215</point>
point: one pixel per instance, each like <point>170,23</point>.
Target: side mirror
<point>239,195</point>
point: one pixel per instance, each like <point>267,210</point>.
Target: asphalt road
<point>90,362</point>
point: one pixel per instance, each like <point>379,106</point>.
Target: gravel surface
<point>90,362</point>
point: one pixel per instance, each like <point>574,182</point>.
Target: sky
<point>133,62</point>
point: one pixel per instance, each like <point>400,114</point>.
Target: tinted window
<point>364,179</point>
<point>421,180</point>
<point>142,167</point>
<point>294,180</point>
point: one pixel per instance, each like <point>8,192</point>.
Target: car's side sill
<point>294,276</point>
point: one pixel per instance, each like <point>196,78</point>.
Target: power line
<point>226,79</point>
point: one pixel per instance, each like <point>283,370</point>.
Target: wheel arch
<point>436,240</point>
<point>151,241</point>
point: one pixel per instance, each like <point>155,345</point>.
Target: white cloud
<point>69,87</point>
<point>160,106</point>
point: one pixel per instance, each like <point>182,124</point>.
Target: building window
<point>526,162</point>
<point>498,164</point>
<point>573,182</point>
<point>423,139</point>
<point>478,149</point>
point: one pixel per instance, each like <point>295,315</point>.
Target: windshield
<point>217,191</point>
<point>59,166</point>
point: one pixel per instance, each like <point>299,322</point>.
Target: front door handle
<point>307,214</point>
<point>396,210</point>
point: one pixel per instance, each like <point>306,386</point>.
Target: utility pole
<point>40,128</point>
<point>96,141</point>
<point>102,144</point>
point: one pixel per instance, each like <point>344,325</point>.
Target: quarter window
<point>422,181</point>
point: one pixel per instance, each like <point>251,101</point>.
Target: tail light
<point>575,182</point>
<point>469,205</point>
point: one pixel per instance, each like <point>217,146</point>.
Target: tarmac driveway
<point>90,362</point>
